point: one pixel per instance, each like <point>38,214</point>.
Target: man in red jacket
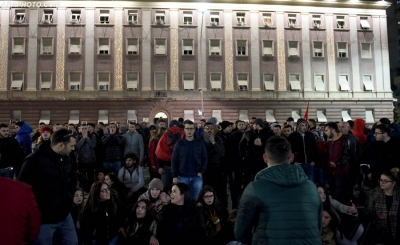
<point>20,217</point>
<point>338,155</point>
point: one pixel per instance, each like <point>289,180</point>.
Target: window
<point>132,17</point>
<point>188,81</point>
<point>292,20</point>
<point>366,51</point>
<point>293,49</point>
<point>369,116</point>
<point>187,18</point>
<point>103,80</point>
<point>317,23</point>
<point>105,16</point>
<point>47,16</point>
<point>19,16</point>
<point>215,47</point>
<point>216,80</point>
<point>269,83</point>
<point>214,18</point>
<point>364,23</point>
<point>187,47</point>
<point>270,116</point>
<point>344,82</point>
<point>132,80</point>
<point>103,46</point>
<point>18,45</point>
<point>103,116</point>
<point>319,82</point>
<point>321,116</point>
<point>241,47</point>
<point>45,116</point>
<point>160,17</point>
<point>132,116</point>
<point>217,114</point>
<point>318,49</point>
<point>160,47</point>
<point>340,22</point>
<point>17,80</point>
<point>160,81</point>
<point>367,80</point>
<point>242,81</point>
<point>132,46</point>
<point>268,48</point>
<point>342,50</point>
<point>267,19</point>
<point>294,80</point>
<point>45,80</point>
<point>74,80</point>
<point>46,46</point>
<point>73,117</point>
<point>241,19</point>
<point>346,115</point>
<point>75,17</point>
<point>244,115</point>
<point>74,45</point>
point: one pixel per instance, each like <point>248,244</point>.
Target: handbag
<point>349,225</point>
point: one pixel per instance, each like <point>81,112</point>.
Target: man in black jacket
<point>304,148</point>
<point>10,153</point>
<point>48,171</point>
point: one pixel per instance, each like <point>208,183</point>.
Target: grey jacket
<point>134,143</point>
<point>85,148</point>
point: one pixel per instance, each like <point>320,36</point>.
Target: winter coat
<point>179,226</point>
<point>10,152</point>
<point>214,152</point>
<point>52,181</point>
<point>152,155</point>
<point>338,151</point>
<point>280,199</point>
<point>180,167</point>
<point>86,148</point>
<point>304,145</point>
<point>20,217</point>
<point>24,139</point>
<point>134,143</point>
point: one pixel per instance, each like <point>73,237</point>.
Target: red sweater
<point>20,217</point>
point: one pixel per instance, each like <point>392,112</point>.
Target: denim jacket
<point>179,165</point>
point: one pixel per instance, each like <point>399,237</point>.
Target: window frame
<point>243,85</point>
<point>298,48</point>
<point>165,46</point>
<point>74,83</point>
<point>339,52</point>
<point>314,49</point>
<point>99,46</point>
<point>22,46</point>
<point>132,84</point>
<point>49,83</point>
<point>244,49</point>
<point>155,81</point>
<point>133,45</point>
<point>100,83</point>
<point>104,13</point>
<point>189,49</point>
<point>70,44</point>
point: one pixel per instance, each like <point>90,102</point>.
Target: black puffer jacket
<point>52,181</point>
<point>304,145</point>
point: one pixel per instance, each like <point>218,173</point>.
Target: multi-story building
<point>130,60</point>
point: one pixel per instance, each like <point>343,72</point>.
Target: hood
<point>286,175</point>
<point>25,129</point>
<point>338,137</point>
<point>300,121</point>
<point>359,125</point>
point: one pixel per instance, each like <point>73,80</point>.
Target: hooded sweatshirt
<point>282,206</point>
<point>24,139</point>
<point>304,145</point>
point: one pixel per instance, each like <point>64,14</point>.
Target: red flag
<point>306,114</point>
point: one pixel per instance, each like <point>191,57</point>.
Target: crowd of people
<point>210,183</point>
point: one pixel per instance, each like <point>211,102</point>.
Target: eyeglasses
<point>208,197</point>
<point>105,190</point>
<point>377,133</point>
<point>208,127</point>
<point>385,181</point>
<point>190,129</point>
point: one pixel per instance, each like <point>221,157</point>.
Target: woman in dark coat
<point>181,222</point>
<point>103,218</point>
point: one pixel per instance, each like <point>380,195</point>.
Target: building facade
<point>129,60</point>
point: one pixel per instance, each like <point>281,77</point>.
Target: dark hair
<point>93,201</point>
<point>180,120</point>
<point>312,121</point>
<point>277,126</point>
<point>384,120</point>
<point>152,127</point>
<point>114,178</point>
<point>187,199</point>
<point>132,220</point>
<point>42,123</point>
<point>392,174</point>
<point>384,128</point>
<point>332,125</point>
<point>288,126</point>
<point>61,136</point>
<point>3,125</point>
<point>278,149</point>
<point>203,191</point>
<point>161,120</point>
<point>334,223</point>
<point>131,155</point>
<point>189,122</point>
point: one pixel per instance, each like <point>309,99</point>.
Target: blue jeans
<point>195,184</point>
<point>7,172</point>
<point>114,166</point>
<point>319,175</point>
<point>65,233</point>
<point>308,170</point>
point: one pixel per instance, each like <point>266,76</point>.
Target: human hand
<point>161,171</point>
<point>352,209</point>
<point>312,163</point>
<point>212,138</point>
<point>153,241</point>
<point>381,214</point>
<point>163,197</point>
<point>332,164</point>
<point>122,231</point>
<point>199,174</point>
<point>257,142</point>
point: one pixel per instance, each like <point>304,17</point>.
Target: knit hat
<point>46,129</point>
<point>174,123</point>
<point>225,124</point>
<point>213,120</point>
<point>156,184</point>
<point>259,122</point>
